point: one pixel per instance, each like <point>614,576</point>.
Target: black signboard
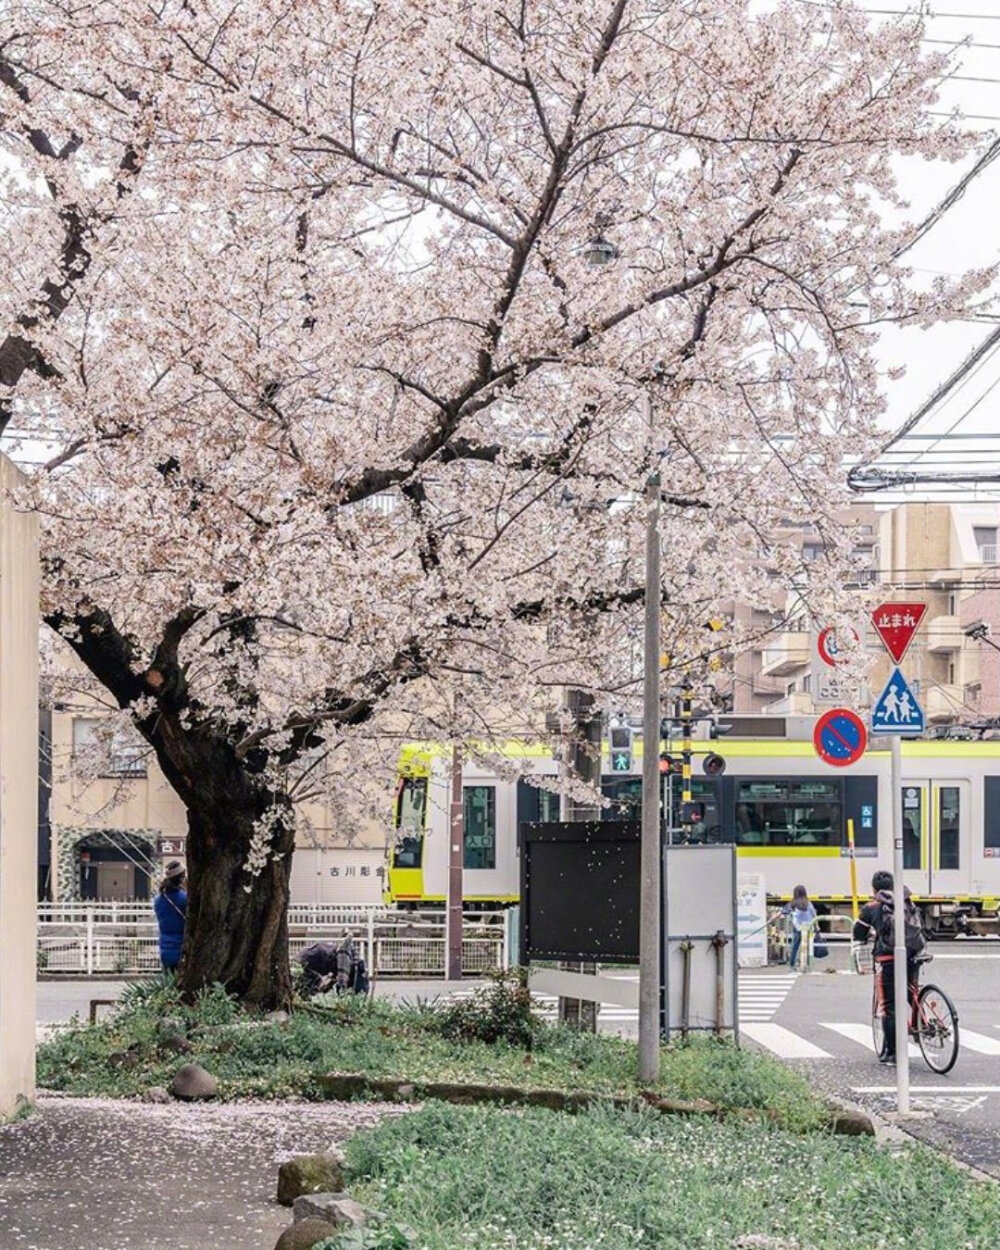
<point>580,891</point>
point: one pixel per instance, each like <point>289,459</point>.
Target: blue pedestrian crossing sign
<point>897,710</point>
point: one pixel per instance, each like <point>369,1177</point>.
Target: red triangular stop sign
<point>896,623</point>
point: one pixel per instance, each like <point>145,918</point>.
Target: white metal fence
<point>88,939</point>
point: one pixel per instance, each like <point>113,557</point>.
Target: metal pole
<point>854,869</point>
<point>899,980</point>
<point>686,730</point>
<point>456,840</point>
<point>650,856</point>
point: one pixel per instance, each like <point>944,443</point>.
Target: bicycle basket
<point>863,960</point>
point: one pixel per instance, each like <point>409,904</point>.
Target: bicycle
<point>933,1022</point>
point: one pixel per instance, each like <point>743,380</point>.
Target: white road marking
<point>948,1102</point>
<point>978,1041</point>
<point>783,1042</point>
<point>926,1090</point>
<point>862,1033</point>
<point>965,955</point>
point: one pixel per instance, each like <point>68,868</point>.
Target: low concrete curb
<point>347,1086</point>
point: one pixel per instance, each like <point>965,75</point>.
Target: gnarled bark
<point>237,922</point>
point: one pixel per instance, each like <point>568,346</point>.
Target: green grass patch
<point>468,1177</point>
<point>254,1058</point>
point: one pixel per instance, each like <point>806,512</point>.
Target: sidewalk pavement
<point>96,1174</point>
<point>58,1000</point>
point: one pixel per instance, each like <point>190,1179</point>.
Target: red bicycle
<point>933,1023</point>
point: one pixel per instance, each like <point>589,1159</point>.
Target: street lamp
<point>600,251</point>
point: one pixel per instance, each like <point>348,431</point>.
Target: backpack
<point>913,934</point>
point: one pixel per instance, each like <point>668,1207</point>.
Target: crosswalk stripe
<point>862,1033</point>
<point>783,1042</point>
<point>978,1042</point>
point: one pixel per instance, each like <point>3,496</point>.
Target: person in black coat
<point>874,921</point>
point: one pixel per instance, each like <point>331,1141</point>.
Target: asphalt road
<point>822,1027</point>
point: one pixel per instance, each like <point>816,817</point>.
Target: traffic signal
<point>669,764</point>
<point>621,749</point>
<point>713,765</point>
<point>692,813</point>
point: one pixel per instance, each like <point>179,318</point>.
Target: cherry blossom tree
<point>344,432</point>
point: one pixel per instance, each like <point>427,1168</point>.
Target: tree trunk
<point>236,932</point>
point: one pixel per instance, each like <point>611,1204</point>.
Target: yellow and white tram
<point>785,810</point>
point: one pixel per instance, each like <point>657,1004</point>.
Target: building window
<point>788,813</point>
<point>812,551</point>
<point>480,812</point>
<point>985,538</point>
<point>117,750</point>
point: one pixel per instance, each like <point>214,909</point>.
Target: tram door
<point>936,833</point>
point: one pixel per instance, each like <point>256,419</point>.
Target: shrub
<point>499,1011</point>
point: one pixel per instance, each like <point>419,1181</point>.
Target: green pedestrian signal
<point>621,748</point>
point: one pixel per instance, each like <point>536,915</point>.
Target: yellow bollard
<point>854,869</point>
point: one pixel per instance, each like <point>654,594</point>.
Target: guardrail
<point>99,939</point>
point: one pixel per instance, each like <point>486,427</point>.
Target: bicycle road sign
<point>897,710</point>
<point>840,737</point>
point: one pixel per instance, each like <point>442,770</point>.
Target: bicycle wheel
<point>937,1029</point>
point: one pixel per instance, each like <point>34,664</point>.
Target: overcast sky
<point>968,236</point>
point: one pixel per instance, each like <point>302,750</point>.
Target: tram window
<point>991,817</point>
<point>534,803</point>
<point>708,829</point>
<point>480,813</point>
<point>625,794</point>
<point>548,805</point>
<point>411,808</point>
<point>913,824</point>
<point>788,813</point>
<point>948,814</point>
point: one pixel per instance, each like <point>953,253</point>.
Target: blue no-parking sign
<point>840,737</point>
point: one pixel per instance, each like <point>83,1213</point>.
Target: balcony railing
<point>988,553</point>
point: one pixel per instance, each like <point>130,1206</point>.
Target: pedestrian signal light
<point>621,749</point>
<point>713,765</point>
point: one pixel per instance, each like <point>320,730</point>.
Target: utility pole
<point>651,858</point>
<point>456,863</point>
<point>900,983</point>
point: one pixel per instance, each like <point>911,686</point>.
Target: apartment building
<point>943,555</point>
<point>112,822</point>
<point>774,676</point>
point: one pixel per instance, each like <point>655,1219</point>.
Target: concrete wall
<point>18,795</point>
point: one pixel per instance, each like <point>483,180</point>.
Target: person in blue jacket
<point>170,906</point>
